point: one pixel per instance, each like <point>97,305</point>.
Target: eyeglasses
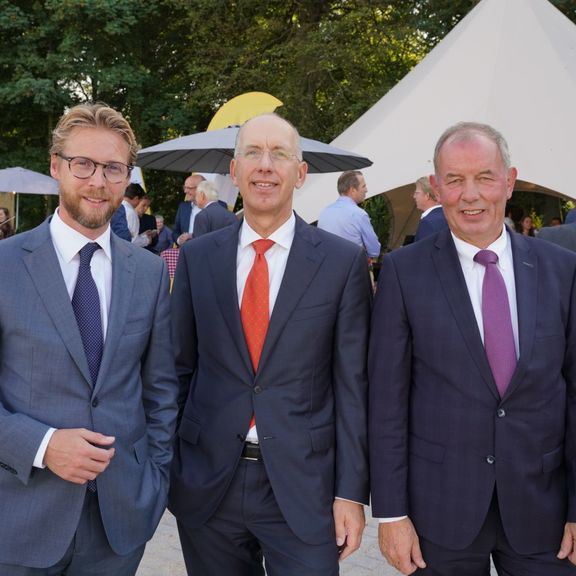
<point>84,168</point>
<point>277,155</point>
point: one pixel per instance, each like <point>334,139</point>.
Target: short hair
<point>159,217</point>
<point>209,190</point>
<point>134,190</point>
<point>93,116</point>
<point>272,115</point>
<point>464,131</point>
<point>348,180</point>
<point>424,183</point>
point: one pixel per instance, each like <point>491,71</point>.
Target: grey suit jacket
<point>45,382</point>
<point>564,235</point>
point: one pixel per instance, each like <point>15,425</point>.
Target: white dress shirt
<point>276,257</point>
<point>428,210</point>
<point>67,243</point>
<point>193,214</point>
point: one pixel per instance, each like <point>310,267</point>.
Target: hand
<point>567,546</point>
<point>183,238</point>
<point>73,454</point>
<point>349,520</point>
<point>399,544</point>
<point>151,233</point>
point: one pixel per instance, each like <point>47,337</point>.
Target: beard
<point>91,217</point>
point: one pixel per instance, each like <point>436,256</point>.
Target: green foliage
<point>170,64</point>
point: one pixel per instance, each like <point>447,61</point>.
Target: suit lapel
<point>123,266</point>
<point>526,280</point>
<point>451,278</point>
<point>43,266</point>
<point>303,263</point>
<point>222,262</point>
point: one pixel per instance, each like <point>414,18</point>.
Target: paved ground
<point>163,556</point>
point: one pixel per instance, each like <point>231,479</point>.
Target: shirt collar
<point>428,210</point>
<point>346,199</point>
<point>68,242</point>
<point>466,252</point>
<point>282,236</point>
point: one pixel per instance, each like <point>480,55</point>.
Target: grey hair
<point>466,130</point>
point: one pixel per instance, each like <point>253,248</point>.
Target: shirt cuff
<point>346,500</point>
<point>388,520</point>
<point>39,459</point>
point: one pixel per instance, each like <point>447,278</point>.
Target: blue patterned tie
<point>498,334</point>
<point>86,305</point>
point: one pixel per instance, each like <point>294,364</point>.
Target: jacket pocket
<point>322,438</point>
<point>551,460</point>
<point>189,430</point>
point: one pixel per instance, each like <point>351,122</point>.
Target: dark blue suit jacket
<point>308,395</point>
<point>432,223</point>
<point>213,217</point>
<point>441,439</point>
<point>182,222</point>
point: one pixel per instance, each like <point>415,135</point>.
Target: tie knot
<point>87,252</point>
<point>260,246</point>
<point>486,257</point>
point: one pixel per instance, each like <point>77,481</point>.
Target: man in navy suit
<point>187,211</point>
<point>432,219</point>
<point>287,485</point>
<point>462,469</point>
<point>213,215</point>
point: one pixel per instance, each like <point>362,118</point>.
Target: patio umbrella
<point>212,151</point>
<point>22,181</point>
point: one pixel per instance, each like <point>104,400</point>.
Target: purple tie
<point>86,306</point>
<point>498,334</point>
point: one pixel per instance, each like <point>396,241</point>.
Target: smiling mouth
<point>472,212</point>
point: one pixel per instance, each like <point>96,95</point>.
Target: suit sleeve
<point>350,384</point>
<point>177,228</point>
<point>119,224</point>
<point>389,374</point>
<point>569,372</point>
<point>184,326</point>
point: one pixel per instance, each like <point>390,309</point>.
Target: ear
<point>302,172</point>
<point>510,181</point>
<point>233,171</point>
<point>435,186</point>
<point>54,166</point>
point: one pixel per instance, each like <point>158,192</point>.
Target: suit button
<point>95,402</point>
<point>490,459</point>
<point>501,413</point>
<point>257,389</point>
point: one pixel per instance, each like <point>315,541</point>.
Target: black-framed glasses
<point>84,168</point>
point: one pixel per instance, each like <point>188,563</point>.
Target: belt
<point>251,451</point>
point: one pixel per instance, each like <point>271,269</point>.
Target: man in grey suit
<point>563,235</point>
<point>271,457</point>
<point>87,408</point>
<point>213,215</point>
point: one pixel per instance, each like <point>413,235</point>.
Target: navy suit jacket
<point>430,224</point>
<point>308,395</point>
<point>45,382</point>
<point>213,217</point>
<point>182,222</point>
<point>441,439</point>
<point>564,235</point>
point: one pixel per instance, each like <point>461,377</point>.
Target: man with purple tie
<point>472,387</point>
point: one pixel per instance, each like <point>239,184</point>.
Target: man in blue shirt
<point>346,219</point>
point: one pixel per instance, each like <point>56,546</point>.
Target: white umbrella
<point>22,181</point>
<point>212,151</point>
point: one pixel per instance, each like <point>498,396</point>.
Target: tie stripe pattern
<point>86,306</point>
<point>498,334</point>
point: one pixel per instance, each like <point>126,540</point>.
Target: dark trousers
<point>491,541</point>
<point>89,553</point>
<point>248,531</point>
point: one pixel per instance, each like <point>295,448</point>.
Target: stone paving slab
<point>163,556</point>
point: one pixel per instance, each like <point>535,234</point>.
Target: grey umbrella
<point>212,151</point>
<point>22,181</point>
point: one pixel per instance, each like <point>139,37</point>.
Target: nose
<point>98,179</point>
<point>470,191</point>
<point>266,161</point>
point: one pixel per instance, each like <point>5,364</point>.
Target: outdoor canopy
<point>508,63</point>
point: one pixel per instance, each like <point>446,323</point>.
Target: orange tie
<point>255,308</point>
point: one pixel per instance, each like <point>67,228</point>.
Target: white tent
<point>508,63</point>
